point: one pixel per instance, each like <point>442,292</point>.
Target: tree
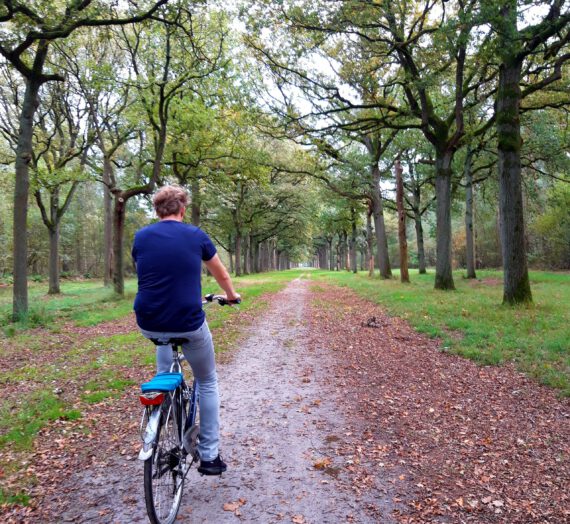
<point>368,41</point>
<point>28,29</point>
<point>161,78</point>
<point>61,147</point>
<point>404,274</point>
<point>520,77</point>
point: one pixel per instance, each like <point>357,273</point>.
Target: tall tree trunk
<point>230,254</point>
<point>382,259</point>
<point>345,251</point>
<point>469,233</point>
<point>107,222</point>
<point>274,255</point>
<point>246,240</point>
<point>331,254</point>
<point>516,279</point>
<point>353,259</point>
<point>237,253</point>
<point>196,200</point>
<point>417,195</point>
<point>255,255</point>
<point>369,242</point>
<point>21,190</point>
<point>443,265</point>
<point>119,213</point>
<point>404,274</point>
<point>420,243</point>
<point>54,259</point>
<point>264,256</point>
<point>419,230</point>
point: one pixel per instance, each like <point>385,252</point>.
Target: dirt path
<point>283,438</point>
<point>280,429</point>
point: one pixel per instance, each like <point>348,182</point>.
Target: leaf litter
<point>473,443</point>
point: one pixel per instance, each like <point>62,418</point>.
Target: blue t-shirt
<point>168,256</point>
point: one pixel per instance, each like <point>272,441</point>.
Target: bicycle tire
<point>164,471</point>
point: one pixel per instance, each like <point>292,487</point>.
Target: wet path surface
<point>281,437</point>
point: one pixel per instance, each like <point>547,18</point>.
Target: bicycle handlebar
<point>220,299</point>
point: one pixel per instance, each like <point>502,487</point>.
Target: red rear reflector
<point>152,400</point>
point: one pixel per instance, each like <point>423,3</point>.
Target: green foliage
<point>553,225</point>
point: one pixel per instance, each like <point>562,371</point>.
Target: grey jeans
<point>199,353</point>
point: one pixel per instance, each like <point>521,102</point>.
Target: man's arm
<point>220,273</point>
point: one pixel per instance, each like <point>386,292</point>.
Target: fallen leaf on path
<point>234,506</point>
<point>322,463</point>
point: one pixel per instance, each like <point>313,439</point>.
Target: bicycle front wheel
<point>164,471</point>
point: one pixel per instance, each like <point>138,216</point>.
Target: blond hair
<point>169,200</point>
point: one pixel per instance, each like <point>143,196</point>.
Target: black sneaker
<point>212,467</point>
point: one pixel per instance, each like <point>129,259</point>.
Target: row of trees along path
<point>455,75</point>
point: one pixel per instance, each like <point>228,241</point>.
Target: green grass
<point>13,498</point>
<point>472,322</point>
<point>108,384</point>
<point>20,426</point>
<point>86,302</point>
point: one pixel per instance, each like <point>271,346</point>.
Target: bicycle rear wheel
<point>164,471</point>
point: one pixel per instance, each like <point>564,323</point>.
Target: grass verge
<point>472,322</point>
<point>20,426</point>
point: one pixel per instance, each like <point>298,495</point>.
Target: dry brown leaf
<point>322,463</point>
<point>234,506</point>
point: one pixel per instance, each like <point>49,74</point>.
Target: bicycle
<point>171,432</point>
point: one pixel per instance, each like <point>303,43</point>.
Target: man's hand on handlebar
<point>223,300</point>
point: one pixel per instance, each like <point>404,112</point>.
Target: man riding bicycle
<point>168,257</point>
